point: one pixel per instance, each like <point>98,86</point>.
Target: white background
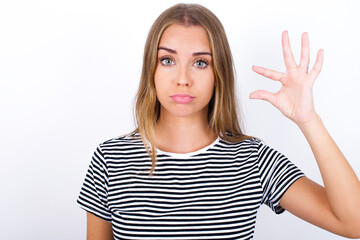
<point>69,71</point>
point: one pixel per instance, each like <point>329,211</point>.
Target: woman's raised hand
<point>294,99</point>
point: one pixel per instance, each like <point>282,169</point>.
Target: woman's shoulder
<point>126,141</point>
<point>240,141</point>
<point>245,145</point>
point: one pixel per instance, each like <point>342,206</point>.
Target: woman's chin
<point>186,112</point>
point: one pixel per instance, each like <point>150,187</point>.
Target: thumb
<point>264,95</point>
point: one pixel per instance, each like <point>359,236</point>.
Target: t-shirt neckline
<point>189,154</point>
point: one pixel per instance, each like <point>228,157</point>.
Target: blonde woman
<point>188,171</point>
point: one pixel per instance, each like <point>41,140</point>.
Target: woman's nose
<point>183,77</point>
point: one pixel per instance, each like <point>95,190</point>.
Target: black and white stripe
<point>213,193</point>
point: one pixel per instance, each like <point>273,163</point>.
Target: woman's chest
<point>186,202</point>
<point>192,189</point>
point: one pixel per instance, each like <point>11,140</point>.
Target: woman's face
<point>184,77</point>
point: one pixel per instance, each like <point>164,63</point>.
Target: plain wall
<point>69,71</point>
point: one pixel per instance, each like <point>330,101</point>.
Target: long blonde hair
<point>222,109</point>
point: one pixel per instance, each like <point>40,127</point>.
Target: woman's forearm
<point>340,181</point>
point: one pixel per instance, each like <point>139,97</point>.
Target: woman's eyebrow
<point>201,53</point>
<point>174,51</point>
<point>167,49</point>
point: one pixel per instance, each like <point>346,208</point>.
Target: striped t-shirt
<point>213,193</point>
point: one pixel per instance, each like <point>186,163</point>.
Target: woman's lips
<point>182,98</point>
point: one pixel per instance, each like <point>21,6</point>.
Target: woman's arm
<point>336,206</point>
<point>98,229</point>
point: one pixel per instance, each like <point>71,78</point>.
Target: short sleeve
<point>277,174</point>
<point>94,191</point>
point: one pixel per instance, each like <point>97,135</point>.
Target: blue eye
<point>166,61</point>
<point>201,63</point>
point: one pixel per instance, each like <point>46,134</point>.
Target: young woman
<point>188,171</point>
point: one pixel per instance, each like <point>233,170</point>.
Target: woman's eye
<point>201,64</point>
<point>166,61</point>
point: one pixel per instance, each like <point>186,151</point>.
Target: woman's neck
<point>183,134</point>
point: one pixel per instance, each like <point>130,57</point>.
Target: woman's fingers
<point>317,66</point>
<point>305,51</point>
<point>272,74</point>
<point>288,56</point>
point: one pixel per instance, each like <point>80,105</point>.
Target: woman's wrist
<point>311,124</point>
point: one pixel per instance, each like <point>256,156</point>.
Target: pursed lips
<point>182,98</point>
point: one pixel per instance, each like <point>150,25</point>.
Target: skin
<point>183,128</point>
<point>336,206</point>
<point>98,229</point>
